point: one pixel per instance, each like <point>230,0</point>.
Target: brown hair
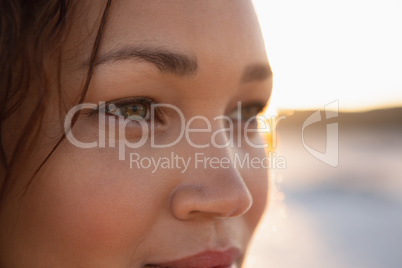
<point>30,30</point>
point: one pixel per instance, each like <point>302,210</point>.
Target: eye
<point>131,108</point>
<point>133,111</point>
<point>245,112</point>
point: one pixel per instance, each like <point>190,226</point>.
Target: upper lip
<point>206,259</point>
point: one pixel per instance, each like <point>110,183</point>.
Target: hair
<point>29,32</point>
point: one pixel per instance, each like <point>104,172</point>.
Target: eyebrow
<point>256,73</point>
<point>176,63</point>
<point>166,61</point>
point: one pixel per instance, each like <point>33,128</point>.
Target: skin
<point>87,208</point>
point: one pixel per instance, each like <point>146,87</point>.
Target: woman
<point>179,82</point>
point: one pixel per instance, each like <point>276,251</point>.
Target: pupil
<point>136,111</point>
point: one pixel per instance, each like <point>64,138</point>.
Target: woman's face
<point>111,206</point>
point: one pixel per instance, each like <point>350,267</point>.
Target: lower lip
<point>208,259</point>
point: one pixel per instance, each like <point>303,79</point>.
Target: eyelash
<point>123,103</point>
<point>258,107</point>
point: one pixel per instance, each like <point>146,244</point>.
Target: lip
<point>206,259</point>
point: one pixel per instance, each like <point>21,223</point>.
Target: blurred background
<point>344,56</point>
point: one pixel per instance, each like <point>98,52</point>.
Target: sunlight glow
<point>346,50</point>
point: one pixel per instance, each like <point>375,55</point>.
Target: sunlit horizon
<point>322,51</point>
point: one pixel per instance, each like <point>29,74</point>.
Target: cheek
<point>259,190</point>
<point>256,178</point>
<point>92,205</point>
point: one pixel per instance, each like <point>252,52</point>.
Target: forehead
<point>207,29</point>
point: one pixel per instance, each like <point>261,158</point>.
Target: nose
<point>210,192</point>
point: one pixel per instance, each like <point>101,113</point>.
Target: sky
<point>323,51</point>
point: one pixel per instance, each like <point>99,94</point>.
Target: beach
<point>347,216</point>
